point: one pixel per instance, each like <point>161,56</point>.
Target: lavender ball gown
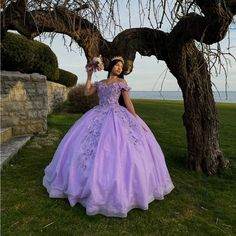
<point>107,162</point>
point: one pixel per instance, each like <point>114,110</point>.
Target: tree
<point>204,21</point>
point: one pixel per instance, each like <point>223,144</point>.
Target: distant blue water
<point>177,95</point>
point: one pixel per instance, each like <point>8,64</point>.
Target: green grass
<point>199,205</point>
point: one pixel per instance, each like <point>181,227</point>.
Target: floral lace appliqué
<point>90,141</point>
<point>132,128</point>
<point>108,102</point>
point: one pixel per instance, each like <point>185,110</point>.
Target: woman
<point>109,161</point>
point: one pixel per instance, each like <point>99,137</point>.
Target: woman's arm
<point>128,102</point>
<point>89,88</point>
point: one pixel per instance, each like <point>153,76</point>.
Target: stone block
<point>22,115</point>
<point>41,91</point>
<point>32,92</point>
<point>38,104</point>
<point>26,99</point>
<point>19,130</point>
<point>38,78</point>
<point>36,128</point>
<point>16,106</point>
<point>6,134</point>
<point>42,113</point>
<point>23,122</point>
<point>28,105</point>
<point>32,114</point>
<point>14,120</point>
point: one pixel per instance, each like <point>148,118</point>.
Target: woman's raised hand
<point>89,71</point>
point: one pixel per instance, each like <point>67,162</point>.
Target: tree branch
<point>60,20</point>
<point>143,40</point>
<point>208,29</point>
<point>146,41</point>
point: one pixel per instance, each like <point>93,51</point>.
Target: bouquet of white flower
<point>96,64</point>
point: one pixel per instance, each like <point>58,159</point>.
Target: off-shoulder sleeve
<point>124,86</point>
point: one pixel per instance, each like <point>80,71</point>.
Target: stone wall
<point>57,94</point>
<point>26,100</point>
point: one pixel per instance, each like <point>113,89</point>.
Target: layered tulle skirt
<point>108,163</point>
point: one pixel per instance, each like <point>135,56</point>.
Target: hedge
<point>28,56</point>
<point>67,78</point>
<point>78,102</point>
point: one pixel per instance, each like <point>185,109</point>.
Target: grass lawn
<point>199,205</point>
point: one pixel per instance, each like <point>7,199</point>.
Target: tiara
<point>118,58</point>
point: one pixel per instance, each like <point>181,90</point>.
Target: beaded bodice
<point>109,93</point>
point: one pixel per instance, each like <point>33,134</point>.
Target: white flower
<point>96,64</point>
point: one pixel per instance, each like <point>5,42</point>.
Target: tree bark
<point>200,117</point>
<point>188,65</point>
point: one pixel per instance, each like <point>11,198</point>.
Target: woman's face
<point>117,68</point>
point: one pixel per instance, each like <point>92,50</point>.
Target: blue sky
<point>148,73</point>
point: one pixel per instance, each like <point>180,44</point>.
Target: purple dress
<point>107,162</point>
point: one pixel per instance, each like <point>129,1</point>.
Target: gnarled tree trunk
<point>200,117</point>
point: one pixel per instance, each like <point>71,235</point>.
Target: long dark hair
<point>110,67</point>
<point>121,76</point>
